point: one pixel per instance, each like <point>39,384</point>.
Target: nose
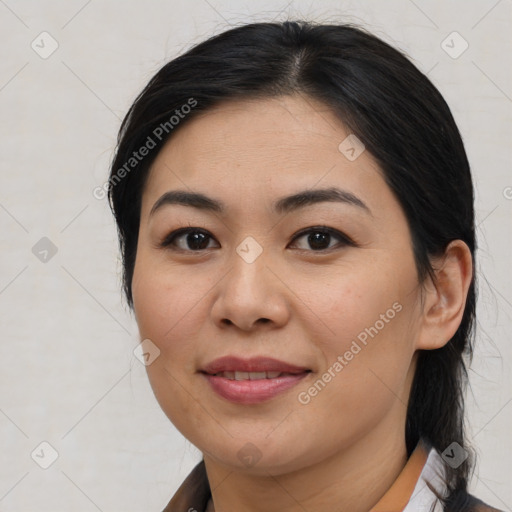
<point>251,294</point>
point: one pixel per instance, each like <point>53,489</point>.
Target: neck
<point>354,479</point>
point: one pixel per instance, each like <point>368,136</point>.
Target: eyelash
<point>169,240</point>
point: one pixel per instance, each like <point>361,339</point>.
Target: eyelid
<point>331,231</point>
<point>168,239</point>
<point>166,243</point>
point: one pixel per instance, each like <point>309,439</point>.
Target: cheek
<point>351,300</point>
<point>167,308</point>
<point>165,301</point>
<point>369,320</point>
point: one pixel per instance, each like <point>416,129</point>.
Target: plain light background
<point>68,375</point>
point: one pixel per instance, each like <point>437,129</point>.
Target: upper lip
<point>254,364</point>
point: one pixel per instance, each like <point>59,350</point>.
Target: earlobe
<point>445,298</point>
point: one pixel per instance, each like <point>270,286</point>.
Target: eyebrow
<point>281,206</point>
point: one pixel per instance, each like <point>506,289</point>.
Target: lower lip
<point>252,391</point>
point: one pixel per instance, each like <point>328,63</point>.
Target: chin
<point>261,456</point>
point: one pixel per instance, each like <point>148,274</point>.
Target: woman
<point>295,215</point>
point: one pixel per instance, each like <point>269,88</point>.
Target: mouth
<point>255,365</point>
<point>237,375</point>
<point>251,381</point>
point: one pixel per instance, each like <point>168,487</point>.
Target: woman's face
<point>322,289</point>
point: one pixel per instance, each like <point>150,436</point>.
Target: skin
<point>343,449</point>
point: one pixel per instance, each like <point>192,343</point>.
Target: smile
<point>251,381</point>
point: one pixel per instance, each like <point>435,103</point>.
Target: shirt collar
<point>409,492</point>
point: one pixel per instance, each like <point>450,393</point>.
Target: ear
<point>445,298</point>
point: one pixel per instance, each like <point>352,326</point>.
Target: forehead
<point>253,148</point>
<point>261,127</point>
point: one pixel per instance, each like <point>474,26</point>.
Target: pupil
<point>317,240</point>
<point>196,241</point>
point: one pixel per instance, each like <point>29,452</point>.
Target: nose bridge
<point>248,267</point>
<point>249,250</point>
<point>249,291</point>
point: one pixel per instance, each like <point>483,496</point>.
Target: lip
<point>252,391</point>
<point>254,364</point>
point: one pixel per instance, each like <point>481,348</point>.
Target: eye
<point>320,237</point>
<point>187,239</point>
<point>192,239</point>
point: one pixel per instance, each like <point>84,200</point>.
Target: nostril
<point>227,321</point>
